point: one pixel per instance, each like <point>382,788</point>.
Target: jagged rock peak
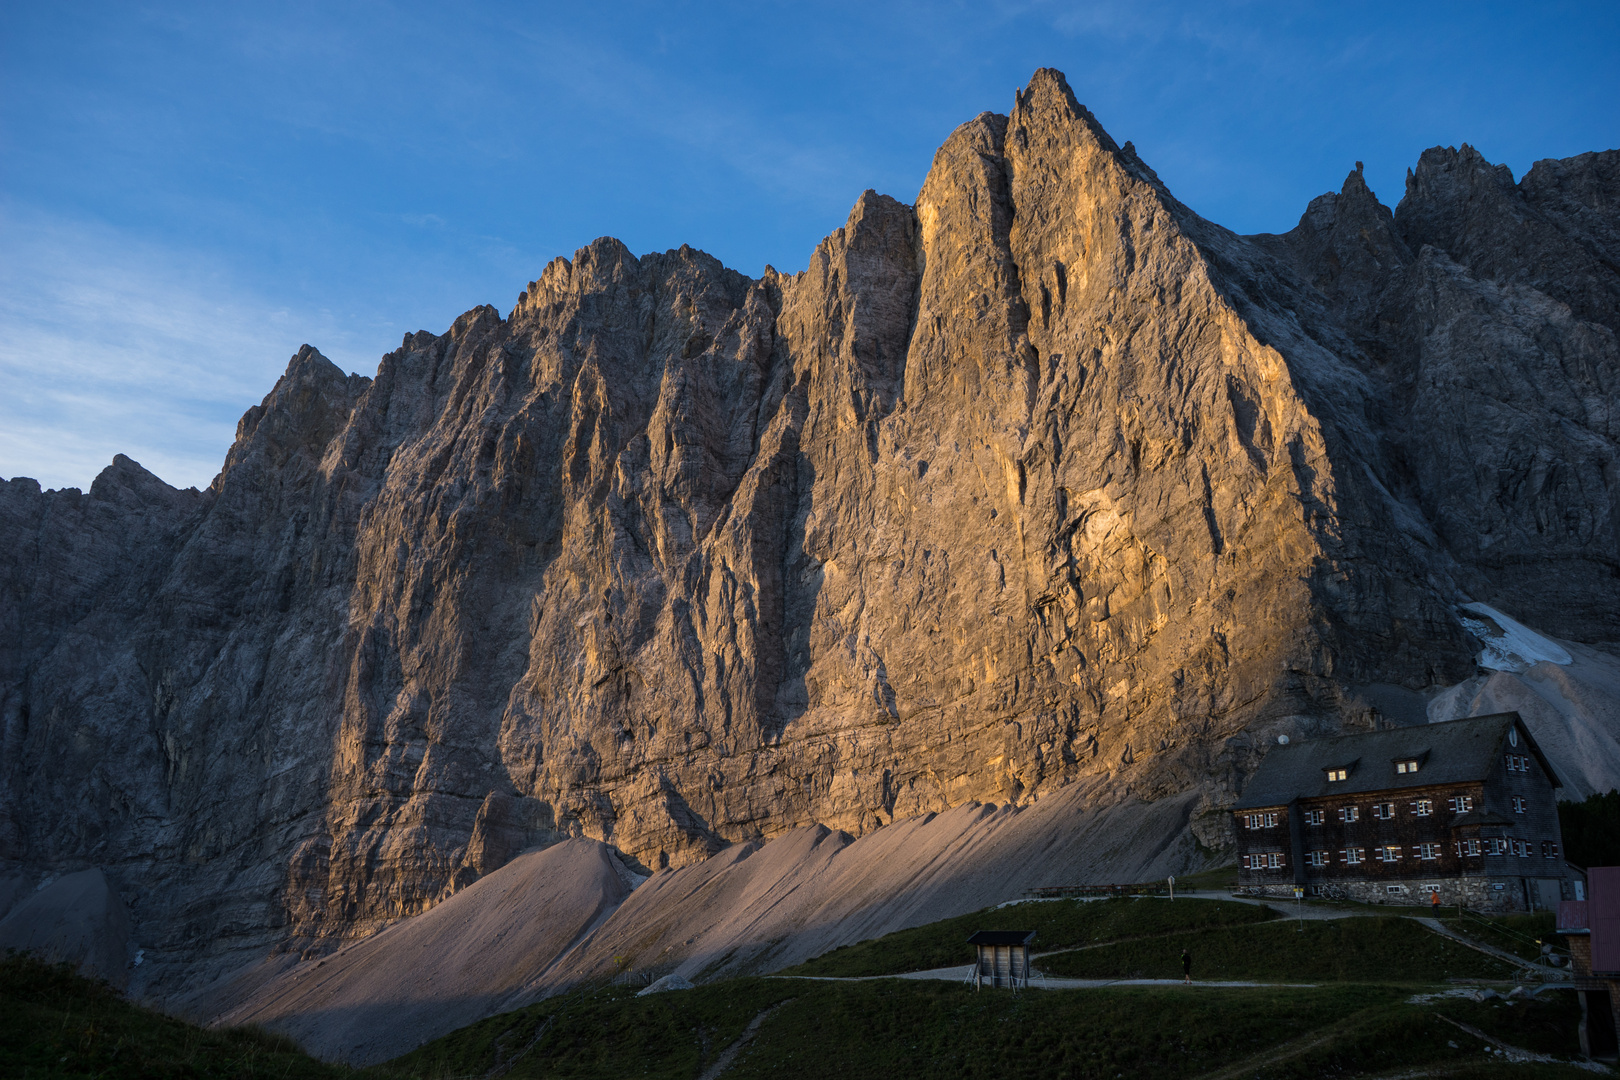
<point>1042,484</point>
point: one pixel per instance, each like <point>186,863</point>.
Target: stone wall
<point>1488,894</point>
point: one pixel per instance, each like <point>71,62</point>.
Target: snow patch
<point>1509,645</point>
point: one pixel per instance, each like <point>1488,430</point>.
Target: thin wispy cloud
<point>109,345</point>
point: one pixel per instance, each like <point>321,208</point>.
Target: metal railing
<point>1070,892</point>
<point>1550,962</point>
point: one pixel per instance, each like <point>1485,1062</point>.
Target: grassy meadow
<point>1381,1005</point>
<point>1058,924</point>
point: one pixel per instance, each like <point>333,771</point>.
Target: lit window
<point>1350,813</point>
<point>1423,807</point>
<point>1337,774</point>
<point>1406,766</point>
<point>1428,852</point>
<point>1390,853</point>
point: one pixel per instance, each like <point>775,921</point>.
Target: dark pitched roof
<point>1453,752</point>
<point>1002,937</point>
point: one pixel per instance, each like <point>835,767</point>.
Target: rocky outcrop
<point>1042,480</point>
<point>1487,314</point>
<point>77,919</point>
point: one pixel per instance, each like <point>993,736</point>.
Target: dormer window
<point>1335,775</point>
<point>1410,762</point>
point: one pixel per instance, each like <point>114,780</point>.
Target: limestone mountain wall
<point>1043,479</point>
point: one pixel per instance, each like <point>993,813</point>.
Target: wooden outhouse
<point>1003,957</point>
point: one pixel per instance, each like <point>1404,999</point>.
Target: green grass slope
<point>884,1028</point>
<point>1360,1020</point>
<point>605,1032</point>
<point>1058,924</point>
<point>54,1022</point>
<point>1521,935</point>
<point>1358,949</point>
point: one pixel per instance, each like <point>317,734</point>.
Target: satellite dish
<point>1282,740</point>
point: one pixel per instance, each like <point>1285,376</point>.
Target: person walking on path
<point>1186,967</point>
<point>1434,902</point>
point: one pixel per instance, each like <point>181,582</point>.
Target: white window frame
<point>1423,808</point>
<point>1354,856</point>
<point>1349,814</point>
<point>1428,852</point>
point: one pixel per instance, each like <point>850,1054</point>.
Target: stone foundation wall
<point>1475,893</point>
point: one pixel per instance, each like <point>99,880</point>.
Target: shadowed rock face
<point>1042,479</point>
<point>1487,315</point>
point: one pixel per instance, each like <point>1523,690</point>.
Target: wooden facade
<point>1591,927</point>
<point>1003,958</point>
<point>1466,810</point>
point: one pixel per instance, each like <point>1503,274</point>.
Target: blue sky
<point>189,192</point>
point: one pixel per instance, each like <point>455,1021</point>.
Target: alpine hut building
<point>1466,809</point>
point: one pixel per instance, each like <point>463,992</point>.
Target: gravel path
<point>964,973</point>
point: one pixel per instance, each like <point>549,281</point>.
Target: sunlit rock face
<point>1043,478</point>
